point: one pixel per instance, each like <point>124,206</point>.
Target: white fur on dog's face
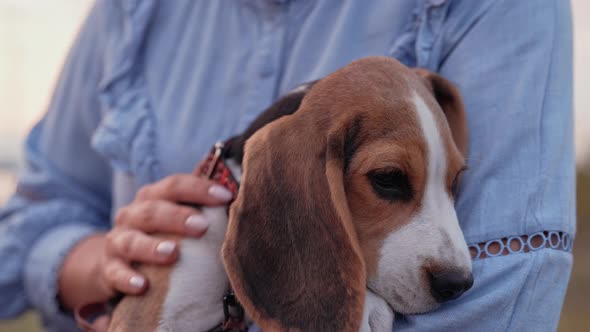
<point>431,240</point>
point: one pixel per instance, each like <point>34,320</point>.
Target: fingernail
<point>137,282</point>
<point>220,192</point>
<point>166,247</point>
<point>197,223</point>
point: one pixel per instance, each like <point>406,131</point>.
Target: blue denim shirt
<point>150,85</point>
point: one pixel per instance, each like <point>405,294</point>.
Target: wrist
<point>78,281</point>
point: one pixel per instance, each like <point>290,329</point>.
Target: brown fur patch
<point>292,260</point>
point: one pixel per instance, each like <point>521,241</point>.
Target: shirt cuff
<point>42,269</point>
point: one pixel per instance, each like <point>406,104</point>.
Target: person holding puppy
<point>149,86</point>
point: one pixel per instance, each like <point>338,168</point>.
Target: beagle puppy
<point>344,212</point>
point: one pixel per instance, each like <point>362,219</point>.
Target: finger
<point>120,277</point>
<point>186,188</point>
<point>136,246</point>
<point>164,217</point>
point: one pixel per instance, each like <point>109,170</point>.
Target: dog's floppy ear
<point>448,97</point>
<point>291,252</point>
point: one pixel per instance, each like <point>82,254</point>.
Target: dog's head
<point>355,189</point>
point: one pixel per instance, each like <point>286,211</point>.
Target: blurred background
<point>35,36</point>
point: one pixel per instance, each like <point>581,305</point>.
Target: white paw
<point>377,314</point>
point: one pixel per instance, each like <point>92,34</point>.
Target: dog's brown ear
<point>291,252</point>
<point>448,97</point>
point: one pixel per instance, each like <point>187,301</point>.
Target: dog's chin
<point>415,308</point>
<point>406,293</point>
<point>406,300</point>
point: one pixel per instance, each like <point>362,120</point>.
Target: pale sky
<point>581,13</point>
<point>36,35</point>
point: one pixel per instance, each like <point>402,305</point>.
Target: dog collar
<point>215,168</point>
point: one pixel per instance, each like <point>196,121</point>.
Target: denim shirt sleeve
<point>518,93</point>
<point>513,64</point>
<point>64,193</point>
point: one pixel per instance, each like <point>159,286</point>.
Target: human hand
<point>99,266</point>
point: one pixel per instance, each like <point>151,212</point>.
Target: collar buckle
<point>219,147</point>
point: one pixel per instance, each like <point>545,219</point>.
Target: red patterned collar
<point>215,168</point>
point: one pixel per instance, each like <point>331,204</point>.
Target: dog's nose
<point>447,286</point>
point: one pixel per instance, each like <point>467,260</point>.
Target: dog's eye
<point>391,185</point>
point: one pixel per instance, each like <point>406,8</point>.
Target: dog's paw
<point>377,314</point>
